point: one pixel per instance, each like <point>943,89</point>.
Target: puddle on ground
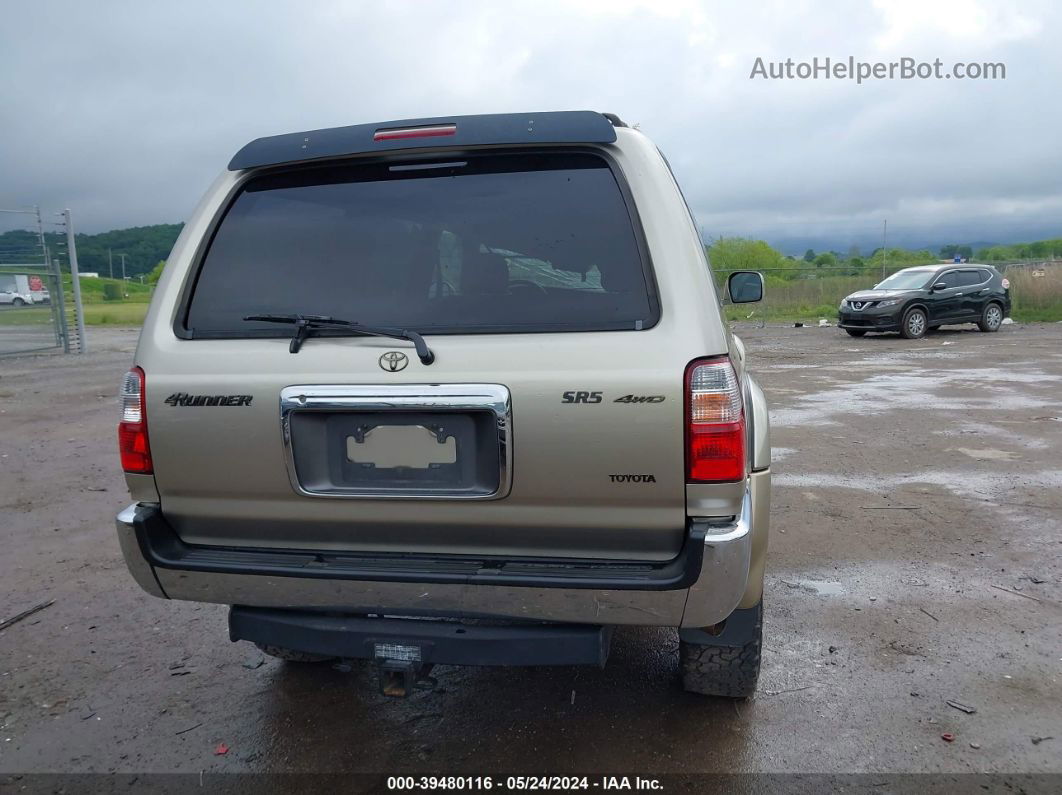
<point>985,454</point>
<point>807,480</point>
<point>778,453</point>
<point>989,487</point>
<point>1010,435</point>
<point>997,389</point>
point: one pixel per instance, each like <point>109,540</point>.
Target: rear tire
<point>290,655</point>
<point>18,302</point>
<point>727,664</point>
<point>991,318</point>
<point>914,325</point>
<point>855,332</point>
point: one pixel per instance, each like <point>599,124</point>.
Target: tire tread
<point>982,324</point>
<point>727,671</point>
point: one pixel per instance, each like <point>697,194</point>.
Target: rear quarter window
<point>967,278</point>
<point>486,243</point>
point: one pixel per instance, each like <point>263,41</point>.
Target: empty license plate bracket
<point>397,453</point>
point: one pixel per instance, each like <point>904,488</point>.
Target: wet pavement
<point>915,559</point>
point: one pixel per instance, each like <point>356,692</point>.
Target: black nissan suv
<point>916,300</point>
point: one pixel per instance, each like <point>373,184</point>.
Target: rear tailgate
<point>595,465</point>
<point>528,274</point>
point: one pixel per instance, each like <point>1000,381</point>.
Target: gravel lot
<point>916,548</point>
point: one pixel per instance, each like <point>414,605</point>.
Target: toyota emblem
<point>393,361</point>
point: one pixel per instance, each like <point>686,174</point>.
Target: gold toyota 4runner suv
<point>454,390</point>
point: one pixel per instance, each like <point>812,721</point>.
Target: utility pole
<point>75,279</point>
<point>884,250</point>
<point>110,262</point>
<point>123,266</point>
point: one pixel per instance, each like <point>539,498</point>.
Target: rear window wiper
<point>305,325</point>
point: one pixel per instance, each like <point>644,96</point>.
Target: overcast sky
<point>124,112</point>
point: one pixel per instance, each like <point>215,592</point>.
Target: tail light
<point>715,423</point>
<point>132,430</point>
<point>429,131</point>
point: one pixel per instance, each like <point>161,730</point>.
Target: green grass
<point>780,313</point>
<point>1032,315</point>
<point>129,311</point>
<point>28,316</point>
<point>111,313</point>
<point>92,289</point>
<point>115,313</point>
<point>1036,298</point>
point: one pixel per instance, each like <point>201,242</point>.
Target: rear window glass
<point>489,243</point>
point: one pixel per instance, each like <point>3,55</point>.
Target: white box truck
<point>19,289</point>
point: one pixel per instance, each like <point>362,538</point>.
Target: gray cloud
<point>124,112</point>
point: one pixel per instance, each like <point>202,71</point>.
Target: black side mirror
<point>938,286</point>
<point>745,287</point>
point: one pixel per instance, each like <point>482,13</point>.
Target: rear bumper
<point>699,588</point>
<point>436,642</point>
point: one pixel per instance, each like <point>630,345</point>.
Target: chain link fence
<point>33,312</point>
<point>38,311</point>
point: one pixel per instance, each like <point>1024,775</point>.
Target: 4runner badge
<point>184,399</point>
<point>393,361</point>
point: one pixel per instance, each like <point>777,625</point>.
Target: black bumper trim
<point>857,327</point>
<point>164,549</point>
<point>439,642</point>
<point>869,322</point>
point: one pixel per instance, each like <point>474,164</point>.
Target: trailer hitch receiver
<point>399,668</point>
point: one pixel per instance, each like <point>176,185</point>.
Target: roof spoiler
<point>555,127</point>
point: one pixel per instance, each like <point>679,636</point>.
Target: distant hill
<point>932,239</point>
<point>143,247</point>
<point>1038,249</point>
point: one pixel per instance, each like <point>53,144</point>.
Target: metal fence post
<point>59,306</point>
<point>75,279</point>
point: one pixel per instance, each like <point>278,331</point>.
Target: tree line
<point>740,253</point>
<point>143,246</point>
